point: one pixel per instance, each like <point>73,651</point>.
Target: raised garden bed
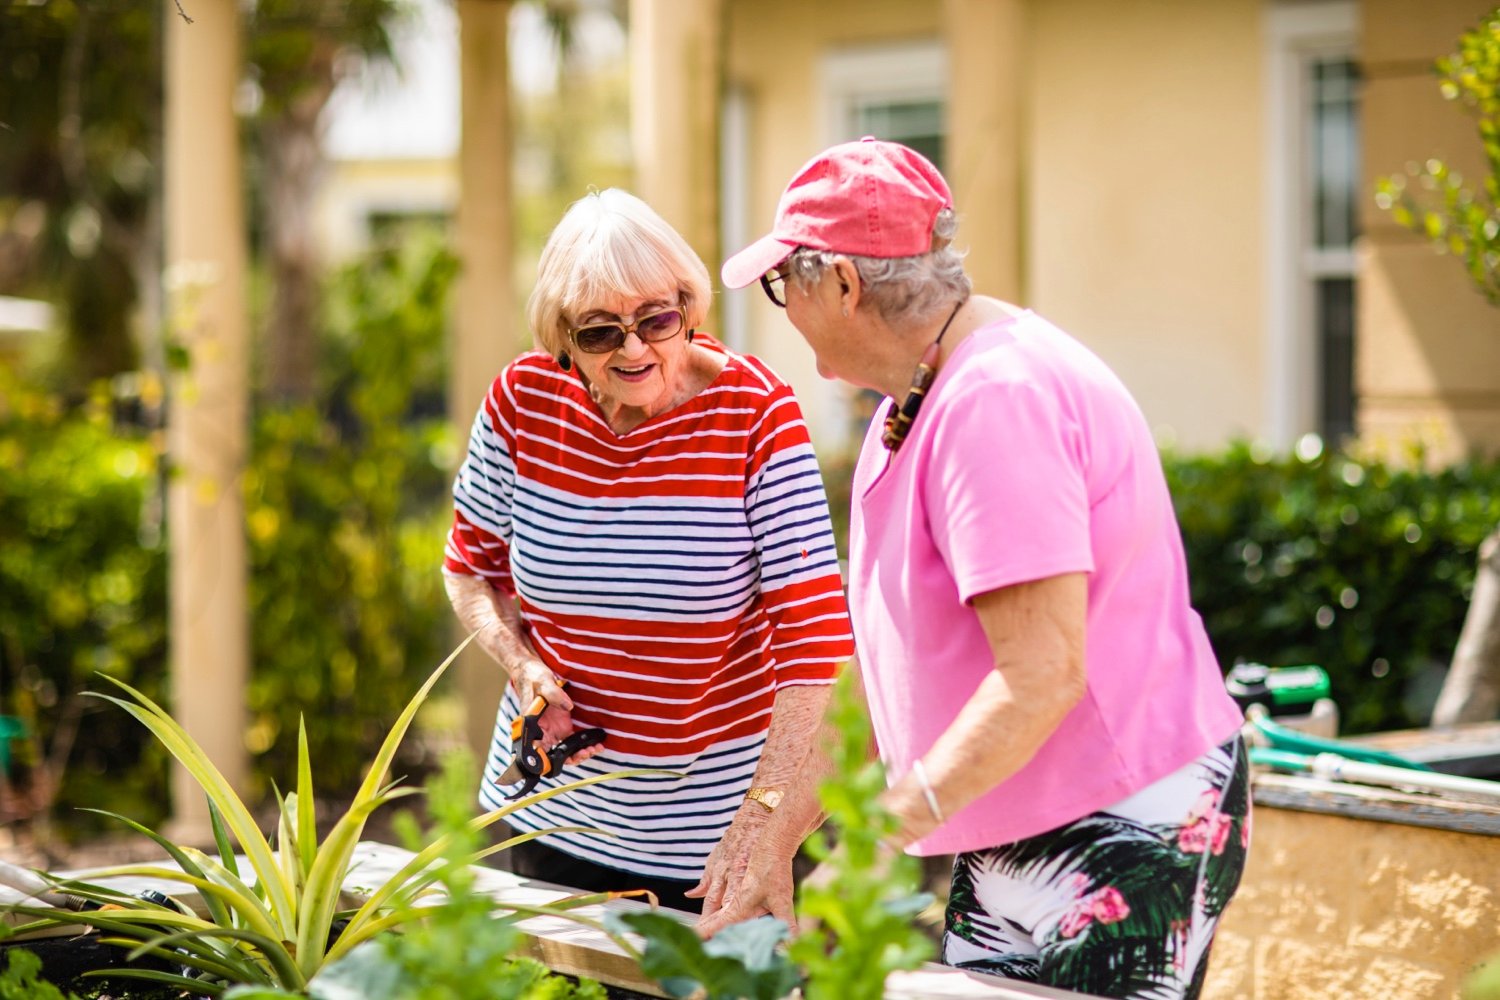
<point>571,949</point>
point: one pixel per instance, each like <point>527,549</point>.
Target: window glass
<point>918,124</point>
<point>1335,148</point>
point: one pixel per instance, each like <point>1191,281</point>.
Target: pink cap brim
<point>746,267</point>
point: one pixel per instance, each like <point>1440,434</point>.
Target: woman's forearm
<point>795,716</point>
<point>1036,635</point>
<point>493,618</point>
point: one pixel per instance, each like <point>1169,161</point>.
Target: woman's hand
<point>531,677</point>
<point>764,886</point>
<point>731,857</point>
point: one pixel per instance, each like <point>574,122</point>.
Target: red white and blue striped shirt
<point>676,576</point>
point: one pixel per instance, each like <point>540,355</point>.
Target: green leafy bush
<point>20,979</point>
<point>82,589</point>
<point>346,503</point>
<point>278,931</point>
<point>346,507</point>
<point>1360,567</point>
<point>744,961</point>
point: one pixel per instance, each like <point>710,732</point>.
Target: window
<point>1314,176</point>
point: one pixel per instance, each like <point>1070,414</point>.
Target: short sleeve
<point>479,540</point>
<point>787,512</point>
<point>1006,489</point>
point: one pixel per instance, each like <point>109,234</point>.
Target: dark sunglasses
<point>652,328</point>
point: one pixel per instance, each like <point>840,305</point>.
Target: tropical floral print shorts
<point>1121,903</point>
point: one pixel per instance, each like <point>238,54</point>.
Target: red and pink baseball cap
<point>870,198</point>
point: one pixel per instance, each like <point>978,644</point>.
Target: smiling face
<point>646,377</point>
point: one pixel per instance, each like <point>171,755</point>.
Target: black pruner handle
<point>581,740</point>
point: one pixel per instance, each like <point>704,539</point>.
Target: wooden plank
<point>1308,794</point>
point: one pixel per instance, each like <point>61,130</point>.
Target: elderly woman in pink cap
<point>1044,697</point>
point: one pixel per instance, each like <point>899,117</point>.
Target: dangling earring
<point>690,335</point>
<point>565,362</point>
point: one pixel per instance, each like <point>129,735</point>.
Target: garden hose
<point>1279,737</point>
<point>1332,767</point>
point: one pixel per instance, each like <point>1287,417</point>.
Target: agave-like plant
<point>280,927</point>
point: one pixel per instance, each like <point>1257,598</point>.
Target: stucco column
<point>487,326</point>
<point>676,72</point>
<point>207,440</point>
<point>986,50</point>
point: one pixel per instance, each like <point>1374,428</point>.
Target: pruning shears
<point>529,762</point>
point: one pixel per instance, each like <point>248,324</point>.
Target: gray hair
<point>902,290</point>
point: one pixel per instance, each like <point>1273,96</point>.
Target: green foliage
<point>459,949</point>
<point>82,589</point>
<point>297,48</point>
<point>347,510</point>
<point>1484,982</point>
<point>346,505</point>
<point>277,930</point>
<point>865,911</point>
<point>744,961</point>
<point>1360,567</point>
<point>1456,216</point>
<point>19,981</point>
<point>80,97</point>
<point>862,903</point>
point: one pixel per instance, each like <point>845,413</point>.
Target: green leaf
<point>307,810</point>
<point>681,962</point>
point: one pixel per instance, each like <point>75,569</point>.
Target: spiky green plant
<point>279,927</point>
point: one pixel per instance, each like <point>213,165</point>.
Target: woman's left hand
<point>727,864</point>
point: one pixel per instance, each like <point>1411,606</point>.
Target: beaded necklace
<point>898,424</point>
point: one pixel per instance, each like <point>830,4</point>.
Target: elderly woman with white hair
<point>641,537</point>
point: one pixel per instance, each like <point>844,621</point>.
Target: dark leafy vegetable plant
<point>742,962</point>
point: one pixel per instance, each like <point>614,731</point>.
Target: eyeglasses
<point>652,328</point>
<point>774,282</point>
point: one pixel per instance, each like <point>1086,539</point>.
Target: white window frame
<point>1295,36</point>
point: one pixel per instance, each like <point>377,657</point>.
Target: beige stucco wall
<point>1429,349</point>
<point>776,70</point>
<point>1340,909</point>
<point>1145,217</point>
<point>1141,190</point>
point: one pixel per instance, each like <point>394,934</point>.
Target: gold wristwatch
<point>768,797</point>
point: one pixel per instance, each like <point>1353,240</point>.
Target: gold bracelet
<point>932,803</point>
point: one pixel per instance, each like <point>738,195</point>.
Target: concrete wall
<point>1342,909</point>
<point>1428,363</point>
<point>1144,228</point>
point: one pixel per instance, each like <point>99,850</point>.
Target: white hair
<point>611,244</point>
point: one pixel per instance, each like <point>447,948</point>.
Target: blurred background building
<point>1187,187</point>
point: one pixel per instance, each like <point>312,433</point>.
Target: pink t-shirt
<point>1029,459</point>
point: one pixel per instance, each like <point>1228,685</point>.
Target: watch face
<point>769,797</point>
